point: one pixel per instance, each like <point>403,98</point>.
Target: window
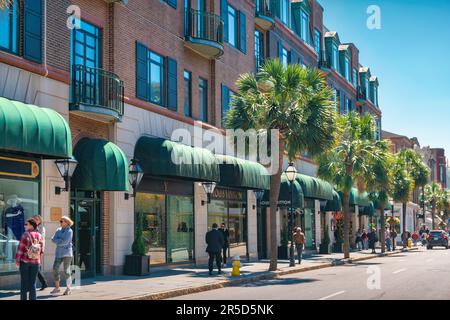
<point>334,56</point>
<point>304,34</point>
<point>227,98</point>
<point>318,44</point>
<point>285,6</point>
<point>284,57</point>
<point>9,24</point>
<point>367,87</point>
<point>355,78</point>
<point>187,94</point>
<point>203,99</point>
<point>259,49</point>
<point>375,96</point>
<point>232,26</point>
<point>156,77</point>
<point>347,68</point>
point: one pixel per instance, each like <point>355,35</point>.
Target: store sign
<point>227,194</point>
<point>18,168</point>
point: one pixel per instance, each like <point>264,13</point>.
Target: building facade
<point>112,81</point>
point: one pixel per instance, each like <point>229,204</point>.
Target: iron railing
<point>262,8</point>
<point>97,88</point>
<point>361,94</point>
<point>204,26</point>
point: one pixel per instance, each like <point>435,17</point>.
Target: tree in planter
<point>347,163</point>
<point>293,100</point>
<point>137,264</point>
<point>138,246</point>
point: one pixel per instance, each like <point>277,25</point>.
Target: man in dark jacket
<point>373,239</point>
<point>226,243</point>
<point>215,241</point>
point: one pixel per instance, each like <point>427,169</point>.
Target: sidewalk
<point>183,280</point>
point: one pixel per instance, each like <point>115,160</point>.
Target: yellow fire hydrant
<point>236,266</point>
<point>409,243</point>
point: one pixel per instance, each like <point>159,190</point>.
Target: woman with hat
<point>64,254</point>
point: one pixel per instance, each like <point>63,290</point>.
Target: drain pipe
<point>45,40</point>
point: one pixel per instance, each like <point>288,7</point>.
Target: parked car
<point>437,238</point>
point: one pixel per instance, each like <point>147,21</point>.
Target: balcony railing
<point>205,26</point>
<point>324,64</point>
<point>361,94</point>
<point>263,15</point>
<point>98,90</point>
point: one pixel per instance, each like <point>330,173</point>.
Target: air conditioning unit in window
<point>124,2</point>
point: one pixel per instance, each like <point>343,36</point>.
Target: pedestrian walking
<point>226,243</point>
<point>215,242</point>
<point>358,240</point>
<point>373,239</point>
<point>388,239</point>
<point>41,230</point>
<point>28,259</point>
<point>394,238</point>
<point>415,236</point>
<point>365,239</point>
<point>63,255</point>
<point>299,240</point>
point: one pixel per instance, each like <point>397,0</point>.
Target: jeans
<point>224,254</point>
<point>28,274</point>
<point>218,257</point>
<point>299,252</point>
<point>359,245</point>
<point>66,262</point>
<point>388,244</point>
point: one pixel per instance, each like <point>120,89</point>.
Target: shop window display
<point>19,201</point>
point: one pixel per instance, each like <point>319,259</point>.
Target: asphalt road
<point>423,274</point>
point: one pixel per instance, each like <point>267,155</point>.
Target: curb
<point>266,276</point>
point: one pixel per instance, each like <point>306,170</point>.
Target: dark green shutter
<point>280,50</point>
<point>224,15</point>
<point>142,90</point>
<point>225,100</point>
<point>32,30</point>
<point>172,3</point>
<point>275,7</point>
<point>242,32</point>
<point>296,20</point>
<point>172,96</point>
<point>290,57</point>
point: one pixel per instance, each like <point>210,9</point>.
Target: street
<point>420,274</point>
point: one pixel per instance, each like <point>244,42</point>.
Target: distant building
<point>399,142</point>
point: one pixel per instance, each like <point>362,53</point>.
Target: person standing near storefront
<point>226,243</point>
<point>64,254</point>
<point>388,239</point>
<point>41,230</point>
<point>394,238</point>
<point>299,240</point>
<point>373,239</point>
<point>365,240</point>
<point>215,241</point>
<point>28,259</point>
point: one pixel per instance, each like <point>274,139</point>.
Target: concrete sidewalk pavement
<point>181,280</point>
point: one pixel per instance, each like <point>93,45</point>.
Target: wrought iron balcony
<point>324,64</point>
<point>362,97</point>
<point>263,15</point>
<point>204,33</point>
<point>97,91</point>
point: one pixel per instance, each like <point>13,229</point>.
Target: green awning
<point>102,166</point>
<point>29,129</point>
<point>235,172</point>
<point>357,198</point>
<point>165,158</point>
<point>367,210</point>
<point>335,204</point>
<point>315,188</point>
<point>284,199</point>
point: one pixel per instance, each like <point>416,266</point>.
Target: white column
<point>201,223</point>
<point>252,224</point>
<point>317,223</point>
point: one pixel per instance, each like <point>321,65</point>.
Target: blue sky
<point>410,54</point>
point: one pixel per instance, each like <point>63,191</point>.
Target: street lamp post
<point>393,226</point>
<point>291,174</point>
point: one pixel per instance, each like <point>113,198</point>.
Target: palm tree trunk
<point>346,199</point>
<point>383,228</point>
<point>433,212</point>
<point>404,238</point>
<point>275,182</point>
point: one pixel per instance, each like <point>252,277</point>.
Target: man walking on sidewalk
<point>299,240</point>
<point>226,243</point>
<point>215,241</point>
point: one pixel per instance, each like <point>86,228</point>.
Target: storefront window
<point>168,227</point>
<point>19,201</point>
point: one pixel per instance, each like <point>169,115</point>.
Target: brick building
<point>120,77</point>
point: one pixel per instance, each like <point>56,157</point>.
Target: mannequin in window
<point>14,217</point>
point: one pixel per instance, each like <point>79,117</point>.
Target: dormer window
<point>334,56</point>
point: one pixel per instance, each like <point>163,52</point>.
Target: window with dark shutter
<point>280,50</point>
<point>142,91</point>
<point>32,27</point>
<point>172,96</point>
<point>242,32</point>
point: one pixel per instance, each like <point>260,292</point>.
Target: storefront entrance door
<point>85,208</point>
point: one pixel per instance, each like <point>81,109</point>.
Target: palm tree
<point>410,163</point>
<point>348,162</point>
<point>445,204</point>
<point>5,4</point>
<point>296,102</point>
<point>433,193</point>
<point>379,183</point>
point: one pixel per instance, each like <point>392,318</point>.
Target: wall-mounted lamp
<point>135,175</point>
<point>66,168</point>
<point>209,189</point>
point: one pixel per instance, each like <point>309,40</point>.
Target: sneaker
<point>67,292</point>
<point>55,291</point>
